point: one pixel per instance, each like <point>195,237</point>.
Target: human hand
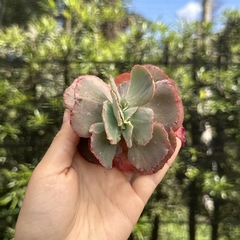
<point>70,198</point>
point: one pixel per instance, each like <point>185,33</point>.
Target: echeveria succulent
<point>131,123</point>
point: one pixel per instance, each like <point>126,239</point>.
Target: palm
<point>107,200</point>
<point>70,198</point>
<point>85,197</point>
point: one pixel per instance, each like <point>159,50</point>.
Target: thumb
<point>60,154</point>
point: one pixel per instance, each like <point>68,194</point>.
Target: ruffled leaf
<point>156,72</point>
<point>102,149</point>
<point>141,88</point>
<point>87,94</point>
<point>123,89</point>
<point>167,105</point>
<point>142,121</point>
<point>85,113</point>
<point>114,89</point>
<point>145,158</point>
<point>127,134</point>
<point>92,87</point>
<point>97,128</point>
<point>117,109</point>
<point>129,112</point>
<point>68,95</point>
<point>173,143</point>
<point>110,123</point>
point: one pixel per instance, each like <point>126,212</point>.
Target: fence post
<point>192,210</point>
<point>155,230</point>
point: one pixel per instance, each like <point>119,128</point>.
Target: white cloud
<point>190,11</point>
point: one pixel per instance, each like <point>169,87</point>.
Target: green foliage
<point>12,15</point>
<point>16,181</point>
<point>142,229</point>
<point>12,189</point>
<point>216,186</point>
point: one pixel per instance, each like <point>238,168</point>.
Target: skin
<point>70,198</point>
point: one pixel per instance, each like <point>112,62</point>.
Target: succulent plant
<point>131,123</point>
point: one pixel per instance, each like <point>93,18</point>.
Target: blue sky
<point>171,10</point>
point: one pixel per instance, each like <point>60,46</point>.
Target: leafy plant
<point>130,123</point>
<point>12,189</point>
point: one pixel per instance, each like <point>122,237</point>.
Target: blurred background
<point>46,44</point>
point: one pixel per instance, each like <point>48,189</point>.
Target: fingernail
<point>66,115</point>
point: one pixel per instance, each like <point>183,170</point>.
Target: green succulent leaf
<point>145,158</point>
<point>110,123</point>
<point>166,104</point>
<point>114,88</point>
<point>97,127</point>
<point>142,121</point>
<point>129,112</point>
<point>141,88</point>
<point>123,89</point>
<point>85,113</point>
<point>103,150</point>
<point>117,109</point>
<point>127,134</point>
